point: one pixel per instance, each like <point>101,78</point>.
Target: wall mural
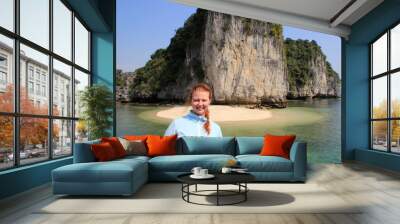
<point>262,83</point>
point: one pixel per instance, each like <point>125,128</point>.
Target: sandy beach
<point>220,113</point>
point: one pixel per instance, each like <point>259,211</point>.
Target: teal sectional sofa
<point>125,176</point>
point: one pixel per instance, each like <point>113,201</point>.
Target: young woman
<point>197,121</point>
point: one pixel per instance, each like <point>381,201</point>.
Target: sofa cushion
<point>111,171</point>
<point>103,151</point>
<point>257,163</point>
<point>185,163</point>
<point>193,145</point>
<point>161,146</point>
<point>134,147</point>
<point>275,145</point>
<point>116,145</point>
<point>249,145</point>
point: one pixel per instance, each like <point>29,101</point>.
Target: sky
<point>144,26</point>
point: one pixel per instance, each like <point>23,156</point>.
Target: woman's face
<point>200,101</point>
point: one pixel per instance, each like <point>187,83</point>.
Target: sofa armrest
<point>83,152</point>
<point>298,155</point>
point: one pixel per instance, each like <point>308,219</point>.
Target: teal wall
<point>99,16</point>
<point>103,66</point>
<point>24,178</point>
<point>355,73</point>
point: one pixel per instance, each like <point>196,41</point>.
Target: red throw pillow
<point>161,146</point>
<point>277,145</point>
<point>103,152</point>
<point>116,145</point>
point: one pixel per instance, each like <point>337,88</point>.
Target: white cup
<point>196,171</point>
<point>226,170</point>
<point>203,172</point>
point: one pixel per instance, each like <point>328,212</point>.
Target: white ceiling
<point>315,15</point>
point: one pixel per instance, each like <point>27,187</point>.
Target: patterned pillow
<point>134,147</point>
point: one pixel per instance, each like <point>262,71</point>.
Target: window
<point>48,76</point>
<point>385,94</point>
<point>6,142</point>
<point>44,77</point>
<point>35,21</point>
<point>37,75</point>
<point>62,29</point>
<point>3,72</point>
<point>30,72</point>
<point>6,73</point>
<point>62,137</point>
<point>81,45</point>
<point>7,14</point>
<point>37,89</point>
<point>3,61</point>
<point>62,74</point>
<point>30,87</point>
<point>44,91</point>
<point>81,81</point>
<point>3,78</point>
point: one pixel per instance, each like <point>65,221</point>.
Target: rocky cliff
<point>244,61</point>
<point>309,74</point>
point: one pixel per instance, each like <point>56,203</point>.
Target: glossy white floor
<point>377,188</point>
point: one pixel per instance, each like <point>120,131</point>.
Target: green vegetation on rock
<point>166,65</point>
<point>299,54</point>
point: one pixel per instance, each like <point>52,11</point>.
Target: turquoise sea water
<point>317,122</point>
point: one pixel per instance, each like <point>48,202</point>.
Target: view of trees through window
<point>385,94</point>
<point>40,80</point>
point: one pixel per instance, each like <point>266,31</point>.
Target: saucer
<point>208,176</point>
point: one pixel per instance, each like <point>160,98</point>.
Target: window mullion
<point>389,112</point>
<point>73,82</point>
<point>16,85</point>
<point>50,81</point>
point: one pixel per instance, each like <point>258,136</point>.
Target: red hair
<point>205,87</point>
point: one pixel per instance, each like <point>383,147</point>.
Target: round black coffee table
<point>238,179</point>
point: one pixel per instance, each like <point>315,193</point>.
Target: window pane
<point>379,55</point>
<point>7,14</point>
<point>379,135</point>
<point>395,47</point>
<point>62,89</point>
<point>81,81</point>
<point>34,97</point>
<point>35,21</point>
<point>62,29</point>
<point>379,98</point>
<point>33,139</point>
<point>395,94</point>
<point>62,138</point>
<point>81,131</point>
<point>81,45</point>
<point>6,142</point>
<point>395,136</point>
<point>6,74</point>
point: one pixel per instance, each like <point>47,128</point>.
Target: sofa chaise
<point>125,176</point>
